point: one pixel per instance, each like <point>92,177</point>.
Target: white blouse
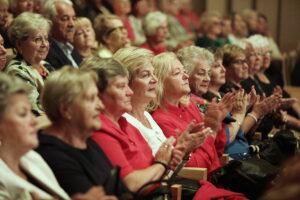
<point>155,137</point>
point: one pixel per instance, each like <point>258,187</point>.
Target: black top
<point>228,87</point>
<point>58,59</point>
<point>248,83</point>
<point>78,170</point>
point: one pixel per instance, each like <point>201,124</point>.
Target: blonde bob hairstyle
<point>10,85</point>
<point>192,55</point>
<point>65,86</point>
<point>25,24</point>
<point>102,26</point>
<point>162,64</point>
<point>207,19</point>
<point>50,11</point>
<point>152,21</point>
<point>133,58</point>
<point>106,69</point>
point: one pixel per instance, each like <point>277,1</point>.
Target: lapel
<point>34,165</point>
<point>58,54</point>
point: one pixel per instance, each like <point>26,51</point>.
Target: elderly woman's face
<point>238,69</point>
<point>117,96</point>
<point>143,83</point>
<point>218,73</point>
<point>200,78</point>
<point>254,60</point>
<point>17,128</point>
<point>177,83</point>
<point>266,56</point>
<point>2,54</point>
<point>84,37</point>
<point>35,48</point>
<point>85,111</point>
<point>161,33</point>
<point>117,36</point>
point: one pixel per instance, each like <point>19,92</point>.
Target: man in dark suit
<point>61,51</point>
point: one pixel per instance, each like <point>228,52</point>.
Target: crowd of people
<point>142,85</point>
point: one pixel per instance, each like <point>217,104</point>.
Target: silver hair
<point>50,8</point>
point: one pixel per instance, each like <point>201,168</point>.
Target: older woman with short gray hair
<point>29,35</point>
<point>155,26</point>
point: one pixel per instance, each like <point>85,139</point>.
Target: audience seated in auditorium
<point>24,175</point>
<point>143,83</point>
<point>61,52</point>
<point>29,35</point>
<point>110,34</point>
<point>130,151</point>
<point>71,102</point>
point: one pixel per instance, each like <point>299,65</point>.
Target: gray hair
<point>152,21</point>
<point>258,41</point>
<point>10,85</point>
<point>50,11</point>
<point>192,55</point>
<point>26,23</point>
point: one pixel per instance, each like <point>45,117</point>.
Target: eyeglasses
<point>120,29</point>
<point>40,40</point>
<point>240,61</point>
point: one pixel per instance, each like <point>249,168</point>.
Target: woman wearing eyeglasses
<point>29,35</point>
<point>111,34</point>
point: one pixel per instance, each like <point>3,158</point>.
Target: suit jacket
<point>57,58</point>
<point>14,187</point>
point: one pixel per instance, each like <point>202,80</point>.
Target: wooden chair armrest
<point>176,191</point>
<point>194,173</point>
<point>224,159</point>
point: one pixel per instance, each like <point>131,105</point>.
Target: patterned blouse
<point>20,68</point>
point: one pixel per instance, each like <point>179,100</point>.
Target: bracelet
<point>163,164</point>
<point>253,117</point>
<point>238,122</point>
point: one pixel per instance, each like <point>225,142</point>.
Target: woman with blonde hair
<point>143,83</point>
<point>84,37</point>
<point>130,150</point>
<point>110,33</point>
<point>173,110</point>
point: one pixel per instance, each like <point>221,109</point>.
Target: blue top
<point>239,145</point>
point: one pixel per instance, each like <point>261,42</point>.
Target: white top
<point>14,187</point>
<point>155,137</point>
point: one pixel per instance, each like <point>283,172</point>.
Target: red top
<point>189,23</point>
<point>221,138</point>
<point>173,118</point>
<point>124,146</point>
<point>129,28</point>
<point>156,51</point>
